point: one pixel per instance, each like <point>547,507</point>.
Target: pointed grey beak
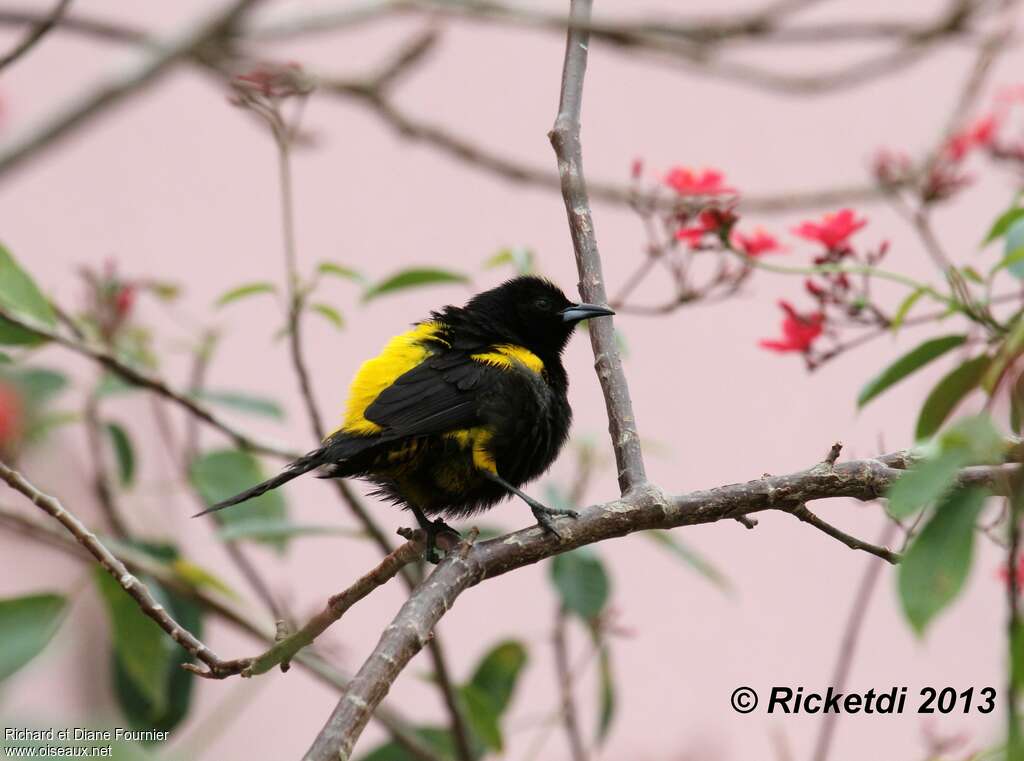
<point>579,312</point>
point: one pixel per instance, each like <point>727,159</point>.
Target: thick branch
<point>641,510</point>
<point>565,139</point>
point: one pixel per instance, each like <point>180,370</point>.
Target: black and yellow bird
<point>459,412</point>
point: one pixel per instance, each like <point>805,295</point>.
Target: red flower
<point>798,330</point>
<point>686,182</point>
<point>124,300</point>
<point>710,221</point>
<point>980,134</point>
<point>892,168</point>
<point>757,243</point>
<point>833,230</point>
<point>1004,574</point>
<point>12,415</point>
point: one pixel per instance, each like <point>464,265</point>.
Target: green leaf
<point>926,482</point>
<point>690,557</point>
<point>340,270</point>
<point>693,559</point>
<point>520,257</point>
<point>496,675</point>
<point>139,644</point>
<point>937,562</point>
<point>1014,247</point>
<point>20,296</point>
<point>200,578</point>
<point>907,364</point>
<point>606,694</point>
<point>27,624</point>
<point>436,738</point>
<point>329,313</point>
<point>483,720</point>
<point>123,452</point>
<point>224,473</point>
<point>904,308</point>
<point>243,402</point>
<point>5,359</point>
<point>38,385</point>
<point>948,393</point>
<point>413,278</point>
<point>1002,224</point>
<point>244,291</point>
<point>1012,262</point>
<point>582,583</point>
<point>279,530</point>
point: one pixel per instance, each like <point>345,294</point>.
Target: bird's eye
<point>542,304</point>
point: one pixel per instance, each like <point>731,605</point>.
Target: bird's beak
<point>579,312</point>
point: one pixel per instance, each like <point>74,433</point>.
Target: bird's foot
<point>544,516</point>
<point>439,536</point>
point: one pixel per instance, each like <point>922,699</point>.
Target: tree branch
<point>145,380</point>
<point>565,139</point>
<point>77,112</point>
<point>37,33</point>
<point>643,509</point>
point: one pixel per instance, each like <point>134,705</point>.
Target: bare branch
<point>129,583</point>
<point>138,562</point>
<point>286,649</point>
<point>36,34</point>
<point>565,139</point>
<point>77,112</point>
<point>801,512</point>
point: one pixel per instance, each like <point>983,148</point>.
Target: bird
<point>457,413</point>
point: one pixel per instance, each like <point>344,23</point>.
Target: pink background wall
<point>178,185</point>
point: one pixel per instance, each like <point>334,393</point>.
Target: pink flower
<point>757,243</point>
<point>686,182</point>
<point>981,134</point>
<point>833,230</point>
<point>710,221</point>
<point>798,330</point>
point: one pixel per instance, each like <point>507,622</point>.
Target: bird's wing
<point>438,395</point>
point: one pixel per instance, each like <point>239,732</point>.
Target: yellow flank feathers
<point>476,439</point>
<point>401,354</point>
<point>507,355</point>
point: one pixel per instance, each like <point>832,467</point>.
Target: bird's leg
<point>542,513</point>
<point>433,529</point>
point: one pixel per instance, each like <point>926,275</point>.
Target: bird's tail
<point>331,451</point>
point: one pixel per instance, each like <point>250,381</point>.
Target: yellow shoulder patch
<point>508,355</point>
<point>401,354</point>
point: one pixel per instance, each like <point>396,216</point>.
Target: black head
<point>532,312</point>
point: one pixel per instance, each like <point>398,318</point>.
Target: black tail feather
<point>302,465</point>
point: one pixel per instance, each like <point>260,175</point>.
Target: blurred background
<point>177,188</point>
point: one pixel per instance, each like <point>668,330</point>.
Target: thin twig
<point>570,720</point>
<point>284,651</point>
<point>36,34</point>
<point>801,512</point>
<point>74,114</point>
<point>153,383</point>
<point>140,563</point>
<point>848,644</point>
<point>565,139</point>
<point>117,570</point>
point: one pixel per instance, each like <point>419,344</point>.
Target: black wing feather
<point>438,395</point>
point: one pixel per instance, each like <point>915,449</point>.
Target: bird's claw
<point>544,517</point>
<point>438,529</point>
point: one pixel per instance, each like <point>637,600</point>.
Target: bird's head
<point>532,312</point>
